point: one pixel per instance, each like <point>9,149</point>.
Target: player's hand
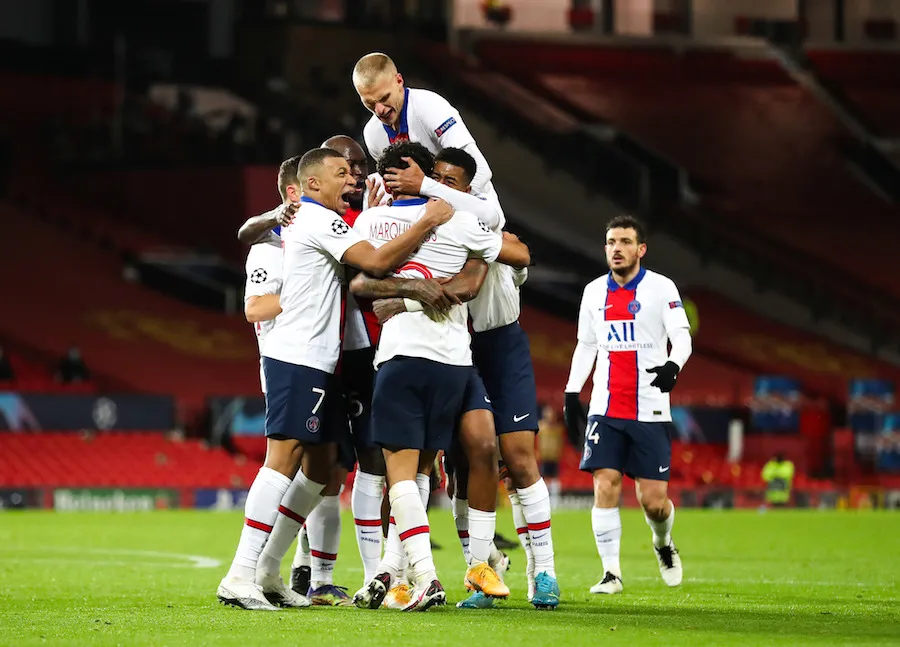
<point>374,196</point>
<point>509,236</point>
<point>437,212</point>
<point>576,419</point>
<point>430,293</point>
<point>384,309</point>
<point>406,181</point>
<point>665,376</point>
<point>285,215</point>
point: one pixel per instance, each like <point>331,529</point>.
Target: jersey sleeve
<point>477,237</point>
<point>674,314</point>
<point>333,235</point>
<point>443,122</point>
<point>370,135</point>
<point>263,271</point>
<point>586,331</point>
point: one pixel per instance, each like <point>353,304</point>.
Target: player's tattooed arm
<point>467,283</point>
<point>429,292</point>
<point>259,228</point>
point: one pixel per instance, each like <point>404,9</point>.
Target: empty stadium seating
<point>760,149</point>
<point>35,376</point>
<point>869,79</point>
<point>117,459</point>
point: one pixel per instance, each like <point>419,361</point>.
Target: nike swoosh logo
<point>607,307</point>
<point>520,418</point>
<point>487,399</point>
<point>539,536</point>
<point>663,469</point>
<point>369,532</point>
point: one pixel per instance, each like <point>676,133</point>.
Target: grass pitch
<point>780,578</point>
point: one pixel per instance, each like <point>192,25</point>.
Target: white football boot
<point>669,564</point>
<point>244,594</point>
<point>609,585</point>
<point>277,592</point>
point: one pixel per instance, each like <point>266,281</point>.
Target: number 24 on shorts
<point>592,434</point>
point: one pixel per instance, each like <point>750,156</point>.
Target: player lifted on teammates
<point>501,350</point>
<point>627,319</point>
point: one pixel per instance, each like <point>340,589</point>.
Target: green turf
<point>781,578</point>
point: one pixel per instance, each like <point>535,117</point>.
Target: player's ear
<point>399,79</point>
<point>293,192</point>
<point>642,249</point>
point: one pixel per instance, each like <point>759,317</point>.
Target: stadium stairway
<point>67,291</point>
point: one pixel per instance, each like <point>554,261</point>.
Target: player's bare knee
<point>284,456</point>
<point>371,462</point>
<point>607,488</point>
<point>337,479</point>
<point>654,501</point>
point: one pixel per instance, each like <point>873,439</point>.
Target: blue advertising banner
<point>237,416</point>
<point>60,412</point>
<point>776,404</point>
<point>220,499</point>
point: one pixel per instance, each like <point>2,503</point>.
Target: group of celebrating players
<point>361,289</point>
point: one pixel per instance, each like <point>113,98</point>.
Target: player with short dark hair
<point>303,415</point>
<point>627,320</point>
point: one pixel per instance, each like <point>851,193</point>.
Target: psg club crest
<point>312,424</point>
<point>400,137</point>
<point>634,307</point>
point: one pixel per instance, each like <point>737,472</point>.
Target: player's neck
<point>623,279</point>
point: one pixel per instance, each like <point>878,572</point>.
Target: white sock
<point>260,512</point>
<point>461,517</point>
<point>481,534</point>
<point>302,556</point>
<point>662,530</point>
<point>607,525</point>
<point>394,559</point>
<point>522,531</point>
<point>423,482</point>
<point>300,499</point>
<point>365,502</point>
<point>536,508</point>
<point>324,528</point>
<point>413,530</point>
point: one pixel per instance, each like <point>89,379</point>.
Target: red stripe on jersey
<point>290,514</point>
<point>369,523</point>
<point>340,362</point>
<point>350,216</point>
<point>258,525</point>
<point>623,365</point>
<point>412,532</point>
<point>373,328</point>
<point>320,555</point>
<point>539,526</point>
<point>521,531</point>
<point>392,521</point>
<point>413,266</point>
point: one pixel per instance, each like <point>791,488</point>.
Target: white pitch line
<point>194,561</point>
<point>713,580</point>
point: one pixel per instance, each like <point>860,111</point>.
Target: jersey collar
<point>409,202</point>
<point>304,198</point>
<point>612,286</point>
<point>404,124</point>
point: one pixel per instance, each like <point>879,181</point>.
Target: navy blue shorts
<point>476,396</point>
<point>417,402</point>
<point>503,358</point>
<point>641,450</point>
<point>302,403</point>
<point>358,377</point>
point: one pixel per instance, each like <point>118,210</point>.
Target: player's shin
<point>301,497</point>
<point>535,501</point>
<point>461,518</point>
<point>260,512</point>
<point>413,531</point>
<point>324,528</point>
<point>365,502</point>
<point>607,526</point>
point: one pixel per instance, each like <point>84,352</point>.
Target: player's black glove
<point>576,419</point>
<point>665,376</point>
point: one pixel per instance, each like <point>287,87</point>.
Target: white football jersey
<point>308,330</point>
<point>629,326</point>
<point>426,118</point>
<point>414,334</point>
<point>263,277</point>
<point>356,332</point>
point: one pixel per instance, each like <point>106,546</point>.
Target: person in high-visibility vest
<point>778,474</point>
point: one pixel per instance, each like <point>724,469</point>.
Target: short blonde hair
<point>371,67</point>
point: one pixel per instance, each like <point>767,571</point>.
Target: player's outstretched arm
<point>257,229</point>
<point>514,252</point>
<point>380,262</point>
<point>466,284</point>
<point>262,308</point>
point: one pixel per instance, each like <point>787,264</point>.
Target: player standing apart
<point>626,322</point>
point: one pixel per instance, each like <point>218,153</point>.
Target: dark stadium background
<point>759,140</point>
